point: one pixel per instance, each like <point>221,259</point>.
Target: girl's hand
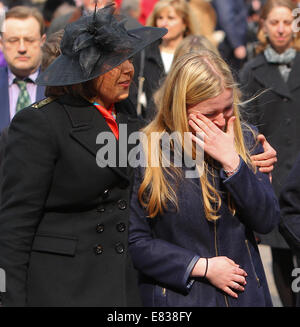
<point>216,143</point>
<point>223,273</point>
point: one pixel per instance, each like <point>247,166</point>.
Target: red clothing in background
<point>146,9</point>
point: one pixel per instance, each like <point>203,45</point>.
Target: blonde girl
<point>192,238</point>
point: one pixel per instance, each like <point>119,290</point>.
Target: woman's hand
<point>223,273</point>
<point>265,161</point>
<point>216,143</point>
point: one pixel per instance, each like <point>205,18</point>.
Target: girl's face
<point>218,109</point>
<point>169,19</point>
<point>278,28</point>
<point>114,85</point>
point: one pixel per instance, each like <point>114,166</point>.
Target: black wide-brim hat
<point>95,44</point>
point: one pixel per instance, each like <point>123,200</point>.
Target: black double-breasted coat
<point>63,219</point>
<point>275,111</point>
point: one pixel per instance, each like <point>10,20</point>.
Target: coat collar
<point>87,123</point>
<point>268,75</point>
<point>294,81</point>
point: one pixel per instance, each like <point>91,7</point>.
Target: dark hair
<point>51,49</point>
<point>87,90</point>
<point>23,12</point>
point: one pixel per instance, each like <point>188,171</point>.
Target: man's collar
<point>12,76</point>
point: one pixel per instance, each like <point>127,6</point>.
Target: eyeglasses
<point>27,41</point>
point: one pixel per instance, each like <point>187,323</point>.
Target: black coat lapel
<point>87,124</point>
<point>294,80</point>
<point>128,124</point>
<point>269,76</point>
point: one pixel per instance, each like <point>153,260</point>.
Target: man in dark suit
<point>21,42</point>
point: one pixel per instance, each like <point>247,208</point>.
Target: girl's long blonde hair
<point>194,77</point>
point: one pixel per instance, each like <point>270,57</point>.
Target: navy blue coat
<point>166,248</point>
<point>4,96</point>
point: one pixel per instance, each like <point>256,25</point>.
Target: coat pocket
<point>65,245</point>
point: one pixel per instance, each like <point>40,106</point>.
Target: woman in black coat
<point>64,207</point>
<point>272,78</point>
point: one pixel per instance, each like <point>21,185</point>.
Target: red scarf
<point>110,117</point>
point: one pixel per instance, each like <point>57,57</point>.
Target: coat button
<point>122,204</point>
<point>121,227</point>
<point>119,247</point>
<point>105,194</point>
<point>100,228</point>
<point>98,249</point>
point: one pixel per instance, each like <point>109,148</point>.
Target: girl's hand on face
<point>216,143</point>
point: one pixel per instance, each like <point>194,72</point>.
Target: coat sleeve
<point>290,208</point>
<point>27,173</point>
<point>165,262</point>
<point>253,195</point>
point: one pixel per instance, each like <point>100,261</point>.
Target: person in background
<point>273,78</point>
<point>191,238</point>
<point>51,8</point>
<point>207,19</point>
<point>289,227</point>
<point>232,19</point>
<point>51,49</point>
<point>21,43</point>
<point>131,10</point>
<point>85,7</point>
<point>64,215</point>
<point>153,64</point>
<point>146,8</point>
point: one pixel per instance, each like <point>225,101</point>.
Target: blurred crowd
<point>232,28</point>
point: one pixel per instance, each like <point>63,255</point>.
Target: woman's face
<point>114,85</point>
<point>278,28</point>
<point>218,109</point>
<point>169,19</point>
